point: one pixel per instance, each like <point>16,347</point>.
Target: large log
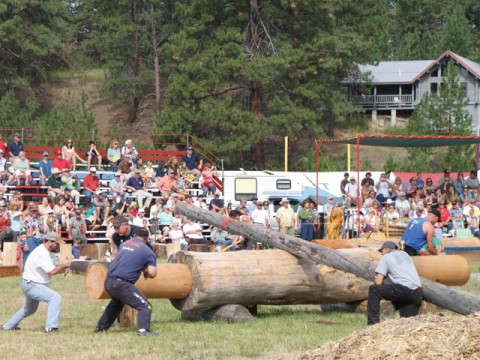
<point>438,294</point>
<point>231,312</point>
<point>264,277</point>
<point>173,281</point>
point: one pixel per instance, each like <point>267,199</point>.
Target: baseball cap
<point>78,211</point>
<point>17,135</point>
<point>189,148</point>
<point>45,153</point>
<point>388,245</point>
<point>435,212</point>
<point>284,200</point>
<point>53,236</point>
<point>55,171</point>
<point>119,220</point>
<point>93,169</point>
<point>166,207</point>
<point>59,152</point>
<point>142,210</point>
<point>254,198</point>
<point>352,177</point>
<point>142,232</point>
<point>34,208</point>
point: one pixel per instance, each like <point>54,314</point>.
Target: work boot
<point>49,330</point>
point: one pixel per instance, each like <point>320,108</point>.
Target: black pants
<point>410,251</point>
<point>406,300</point>
<point>123,292</point>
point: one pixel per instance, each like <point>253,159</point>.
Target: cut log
<point>438,294</point>
<point>128,317</point>
<point>264,277</point>
<point>6,271</point>
<point>10,253</point>
<point>231,313</point>
<point>173,281</point>
<point>81,266</point>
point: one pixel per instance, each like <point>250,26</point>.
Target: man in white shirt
<point>193,231</point>
<point>260,215</point>
<point>36,278</point>
<point>351,191</point>
<point>138,220</point>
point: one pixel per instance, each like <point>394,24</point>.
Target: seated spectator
<point>102,205</point>
<point>77,243</point>
<point>459,183</point>
<point>16,202</point>
<point>140,165</point>
<point>208,173</point>
<point>91,183</point>
<point>44,208</point>
<point>130,150</point>
<point>391,213</point>
<point>70,186</point>
<point>446,174</point>
<point>61,163</point>
<point>219,236</point>
<point>45,166</point>
<point>194,233</point>
<point>3,168</point>
<point>165,221</point>
<point>138,220</point>
<point>216,204</point>
<point>397,188</point>
<point>69,154</point>
<point>55,185</point>
<point>117,186</point>
<point>59,211</point>
<point>119,207</point>
<point>113,155</point>
<point>402,205</point>
<point>156,208</point>
<point>20,170</point>
<point>137,185</point>
<point>150,172</point>
<point>15,147</point>
<point>173,201</point>
<point>200,203</point>
<point>90,211</point>
<point>161,170</point>
<point>176,234</point>
<point>167,184</point>
<point>471,205</point>
<point>429,187</point>
<point>192,162</point>
<point>133,209</point>
<point>445,217</point>
<point>77,227</point>
<point>450,195</point>
<point>92,155</point>
<point>126,165</point>
<point>172,164</point>
<point>458,222</point>
<point>472,221</point>
<point>367,189</point>
<point>412,187</point>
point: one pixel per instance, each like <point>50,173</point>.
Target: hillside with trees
<point>239,75</point>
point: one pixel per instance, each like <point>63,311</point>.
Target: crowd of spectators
<point>389,199</point>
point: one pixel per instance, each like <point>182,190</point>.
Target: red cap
<point>59,152</point>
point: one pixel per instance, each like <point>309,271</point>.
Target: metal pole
<point>348,158</point>
<point>358,185</point>
<point>317,155</point>
<point>223,178</point>
<point>188,140</point>
<point>22,134</point>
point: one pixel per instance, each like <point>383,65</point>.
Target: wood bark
<point>264,278</point>
<point>438,294</point>
<point>231,313</point>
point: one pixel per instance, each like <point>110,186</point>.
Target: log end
<point>94,280</point>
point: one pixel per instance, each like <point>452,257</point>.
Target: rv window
<point>284,184</point>
<point>245,188</point>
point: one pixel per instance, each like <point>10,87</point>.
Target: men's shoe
<point>98,329</point>
<point>143,332</point>
<point>15,328</point>
<point>49,330</point>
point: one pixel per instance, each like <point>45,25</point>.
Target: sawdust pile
<point>421,337</point>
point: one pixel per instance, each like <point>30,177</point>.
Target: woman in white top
<point>69,154</point>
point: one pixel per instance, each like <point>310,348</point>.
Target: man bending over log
<point>134,257</point>
<point>396,280</point>
<point>420,232</point>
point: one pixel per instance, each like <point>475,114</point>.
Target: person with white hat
<point>55,184</point>
<point>36,279</point>
<point>91,183</point>
<point>352,192</point>
<point>286,218</point>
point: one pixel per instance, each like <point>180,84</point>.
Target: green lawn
<point>278,332</point>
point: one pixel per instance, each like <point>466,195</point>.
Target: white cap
<point>284,200</point>
<point>56,171</point>
<point>141,210</point>
<point>93,169</point>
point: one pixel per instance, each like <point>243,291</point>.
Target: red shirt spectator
<point>91,181</point>
<point>5,222</point>
<point>444,213</point>
<point>3,146</point>
<point>60,163</point>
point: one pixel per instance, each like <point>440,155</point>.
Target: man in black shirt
<point>123,232</point>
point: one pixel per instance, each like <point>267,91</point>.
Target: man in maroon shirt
<point>91,183</point>
<point>60,163</point>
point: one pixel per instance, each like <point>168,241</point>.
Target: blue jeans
<point>88,195</point>
<point>35,293</point>
<point>306,229</point>
<point>113,166</point>
<point>210,187</point>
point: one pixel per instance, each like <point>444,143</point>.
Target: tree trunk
<point>132,112</point>
<point>156,62</point>
<point>438,294</point>
<point>258,148</point>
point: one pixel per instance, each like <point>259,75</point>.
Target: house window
<point>284,184</point>
<point>245,188</point>
<point>464,86</point>
<point>435,72</point>
<point>433,88</point>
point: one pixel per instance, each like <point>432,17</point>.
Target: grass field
<point>279,332</point>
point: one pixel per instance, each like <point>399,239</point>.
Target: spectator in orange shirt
<point>167,184</point>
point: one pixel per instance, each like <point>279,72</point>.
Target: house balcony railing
<point>383,101</point>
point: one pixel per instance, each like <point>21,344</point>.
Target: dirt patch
<point>421,337</point>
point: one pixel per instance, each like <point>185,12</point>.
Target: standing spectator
<point>253,205</point>
<point>343,183</point>
<point>61,163</point>
<point>69,154</point>
<point>404,288</point>
<point>92,155</point>
<point>113,155</point>
<point>15,146</point>
<point>36,278</point>
<point>137,184</point>
<point>91,183</point>
<point>351,190</point>
<point>260,216</point>
<point>368,177</point>
<point>20,170</point>
<point>192,162</point>
<point>286,218</point>
<point>45,165</point>
<point>306,218</point>
<point>55,184</point>
<point>472,184</point>
<point>77,227</point>
<point>129,149</point>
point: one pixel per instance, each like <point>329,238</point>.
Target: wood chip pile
<point>421,337</point>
